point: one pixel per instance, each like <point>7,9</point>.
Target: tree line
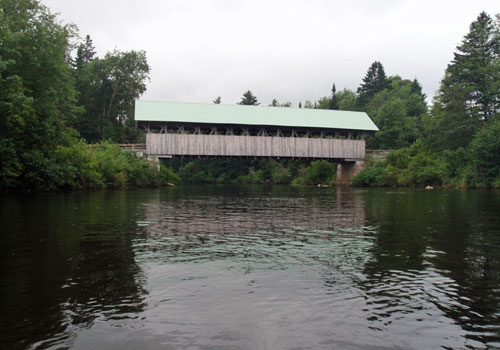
<point>57,95</point>
<point>456,141</point>
<point>396,105</point>
<point>453,142</point>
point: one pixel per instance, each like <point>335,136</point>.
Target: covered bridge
<point>195,129</point>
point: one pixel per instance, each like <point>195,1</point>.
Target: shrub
<point>369,177</point>
<point>318,172</point>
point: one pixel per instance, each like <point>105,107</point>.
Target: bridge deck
<point>254,146</point>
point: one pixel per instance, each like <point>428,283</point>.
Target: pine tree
<point>334,102</point>
<point>469,95</point>
<point>475,70</point>
<point>249,99</point>
<point>374,81</point>
<point>85,53</point>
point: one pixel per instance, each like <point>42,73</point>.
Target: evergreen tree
<point>475,68</point>
<point>249,99</point>
<point>469,95</point>
<point>334,103</point>
<point>85,53</point>
<point>275,103</point>
<point>217,101</point>
<point>374,81</point>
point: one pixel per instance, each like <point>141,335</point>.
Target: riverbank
<point>77,166</point>
<point>420,166</point>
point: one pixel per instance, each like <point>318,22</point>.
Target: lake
<point>250,267</point>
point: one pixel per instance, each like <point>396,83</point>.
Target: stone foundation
<point>347,170</point>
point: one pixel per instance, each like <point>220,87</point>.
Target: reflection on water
<point>251,267</point>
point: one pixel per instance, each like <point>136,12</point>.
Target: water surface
<point>251,267</point>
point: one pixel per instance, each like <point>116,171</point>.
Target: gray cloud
<point>292,50</point>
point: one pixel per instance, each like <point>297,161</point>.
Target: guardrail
<point>132,146</point>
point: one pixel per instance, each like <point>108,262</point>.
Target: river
<point>250,267</point>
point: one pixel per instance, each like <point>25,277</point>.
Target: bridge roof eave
<point>177,113</point>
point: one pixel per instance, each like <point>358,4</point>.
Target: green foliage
<point>414,166</point>
<point>249,99</point>
<point>347,100</point>
<point>37,95</point>
<point>469,95</point>
<point>169,177</point>
<point>105,166</point>
<point>369,177</point>
<point>485,156</point>
<point>398,113</point>
<point>275,103</point>
<point>323,103</point>
<point>108,88</point>
<point>374,82</point>
<point>334,102</point>
<point>318,172</point>
<point>254,171</point>
<point>423,170</point>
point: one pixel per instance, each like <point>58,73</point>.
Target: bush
<point>369,177</point>
<point>169,177</point>
<point>102,166</point>
<point>413,166</point>
<point>318,172</point>
<point>423,170</point>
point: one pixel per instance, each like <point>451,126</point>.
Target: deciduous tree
<point>109,87</point>
<point>37,94</point>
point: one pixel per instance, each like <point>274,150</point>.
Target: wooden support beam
<point>262,132</point>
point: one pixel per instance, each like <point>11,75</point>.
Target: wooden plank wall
<point>258,146</point>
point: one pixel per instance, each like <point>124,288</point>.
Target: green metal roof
<point>204,113</point>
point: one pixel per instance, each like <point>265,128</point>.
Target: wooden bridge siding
<point>263,146</point>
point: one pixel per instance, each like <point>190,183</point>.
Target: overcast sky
<point>289,50</point>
